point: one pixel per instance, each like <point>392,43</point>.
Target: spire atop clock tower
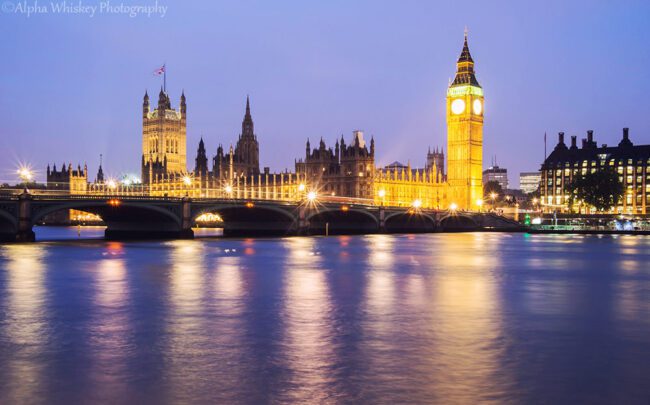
<point>465,67</point>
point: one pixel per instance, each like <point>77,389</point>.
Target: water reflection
<point>185,337</point>
<point>466,321</point>
<point>443,318</point>
<point>380,295</point>
<point>227,333</point>
<point>25,327</point>
<point>308,346</point>
<point>110,327</point>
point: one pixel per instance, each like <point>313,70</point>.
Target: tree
<point>601,189</point>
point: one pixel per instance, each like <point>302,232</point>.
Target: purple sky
<point>71,86</point>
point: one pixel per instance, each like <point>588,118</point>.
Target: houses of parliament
<point>345,170</point>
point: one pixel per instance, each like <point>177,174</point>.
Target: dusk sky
<point>71,86</point>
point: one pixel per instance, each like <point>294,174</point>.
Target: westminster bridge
<point>135,217</point>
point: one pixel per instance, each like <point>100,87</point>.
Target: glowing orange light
<point>114,203</point>
<point>345,208</point>
<point>250,204</point>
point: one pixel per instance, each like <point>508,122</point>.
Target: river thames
<point>435,318</point>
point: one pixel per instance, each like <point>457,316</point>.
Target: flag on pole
<point>159,71</point>
<point>162,71</point>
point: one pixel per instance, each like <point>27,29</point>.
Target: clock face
<point>478,107</point>
<point>457,106</point>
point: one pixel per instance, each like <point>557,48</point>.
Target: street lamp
<point>382,193</point>
<point>301,187</point>
<point>479,203</point>
<point>187,180</point>
<point>417,204</point>
<point>25,174</point>
<point>453,207</point>
<point>311,196</point>
<point>228,189</point>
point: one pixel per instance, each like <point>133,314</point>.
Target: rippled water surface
<point>446,318</point>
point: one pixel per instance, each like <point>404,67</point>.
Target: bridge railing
<point>292,191</point>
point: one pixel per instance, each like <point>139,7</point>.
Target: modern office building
<point>529,181</point>
<point>498,174</point>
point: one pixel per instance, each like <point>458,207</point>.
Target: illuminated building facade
<point>396,186</point>
<point>68,180</point>
<point>164,138</point>
<point>566,162</point>
<point>436,158</point>
<point>465,134</point>
<point>347,171</point>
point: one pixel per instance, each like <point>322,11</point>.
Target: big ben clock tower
<point>465,134</point>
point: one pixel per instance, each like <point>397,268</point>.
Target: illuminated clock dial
<point>478,107</point>
<point>457,106</point>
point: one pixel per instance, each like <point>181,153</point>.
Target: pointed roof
<point>465,68</point>
<point>247,129</point>
<point>465,56</point>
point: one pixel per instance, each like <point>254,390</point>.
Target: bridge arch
<point>102,209</point>
<point>8,226</point>
<point>458,222</point>
<point>339,221</point>
<point>405,222</point>
<point>129,219</point>
<point>253,219</point>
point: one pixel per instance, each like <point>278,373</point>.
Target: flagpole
<point>165,78</point>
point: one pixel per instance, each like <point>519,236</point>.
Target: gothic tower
<point>201,161</point>
<point>164,133</point>
<point>465,134</point>
<point>247,150</point>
